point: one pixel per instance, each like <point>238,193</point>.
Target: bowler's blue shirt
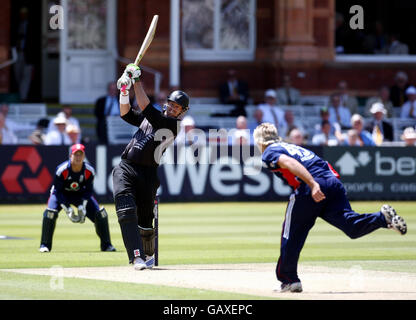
<point>317,167</point>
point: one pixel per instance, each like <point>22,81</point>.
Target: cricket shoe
<point>139,264</point>
<point>110,248</point>
<point>43,248</point>
<point>292,287</point>
<point>150,261</point>
<point>394,221</point>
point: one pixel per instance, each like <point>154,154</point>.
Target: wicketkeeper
<point>135,179</point>
<point>73,185</point>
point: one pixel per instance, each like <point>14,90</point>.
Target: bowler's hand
<point>317,194</point>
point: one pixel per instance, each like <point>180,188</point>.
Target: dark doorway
<point>25,36</point>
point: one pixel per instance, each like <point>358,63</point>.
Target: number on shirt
<point>299,151</point>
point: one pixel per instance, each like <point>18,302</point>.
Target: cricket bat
<point>146,42</point>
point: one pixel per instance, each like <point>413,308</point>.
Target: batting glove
<point>70,213</point>
<point>82,211</point>
<point>124,83</point>
<point>133,72</point>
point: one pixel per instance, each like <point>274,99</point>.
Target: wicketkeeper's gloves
<point>82,211</point>
<point>71,213</point>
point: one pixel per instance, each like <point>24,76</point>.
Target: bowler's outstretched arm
<point>300,171</point>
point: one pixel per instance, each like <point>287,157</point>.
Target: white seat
<point>28,109</point>
<point>119,131</point>
<point>209,109</point>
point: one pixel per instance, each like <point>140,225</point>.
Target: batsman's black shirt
<point>146,148</point>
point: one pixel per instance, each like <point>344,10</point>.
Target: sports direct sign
<point>376,173</point>
<point>219,173</point>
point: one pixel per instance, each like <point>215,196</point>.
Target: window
<point>218,30</point>
<point>388,34</point>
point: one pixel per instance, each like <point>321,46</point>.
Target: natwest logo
<point>26,157</point>
<point>348,164</point>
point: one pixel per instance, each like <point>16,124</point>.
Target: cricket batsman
<point>135,179</point>
<point>317,192</point>
<point>73,185</point>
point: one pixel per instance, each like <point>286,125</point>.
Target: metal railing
<point>157,74</point>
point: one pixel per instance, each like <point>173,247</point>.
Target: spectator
<point>67,113</point>
<point>376,41</point>
<point>347,100</point>
<point>352,139</point>
<point>106,106</point>
<point>234,91</point>
<point>341,34</point>
<point>338,113</point>
<point>257,119</point>
<point>160,99</point>
<point>59,136</point>
<point>10,124</point>
<point>7,136</point>
<point>381,130</point>
<point>290,124</point>
<point>25,36</point>
<point>364,137</point>
<point>241,134</point>
<point>39,134</point>
<point>398,90</point>
<point>335,126</point>
<point>133,101</point>
<point>408,109</point>
<point>186,135</point>
<point>271,112</point>
<point>409,137</point>
<point>395,46</point>
<point>325,138</point>
<point>296,137</point>
<point>384,98</point>
<point>346,40</point>
<point>73,133</point>
<point>287,95</point>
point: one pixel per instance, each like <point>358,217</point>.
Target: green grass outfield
<point>191,233</point>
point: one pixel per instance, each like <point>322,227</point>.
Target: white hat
<point>377,107</point>
<point>411,90</point>
<point>59,120</point>
<point>187,121</point>
<point>270,93</point>
<point>409,133</point>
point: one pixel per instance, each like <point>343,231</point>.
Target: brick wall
<point>203,78</point>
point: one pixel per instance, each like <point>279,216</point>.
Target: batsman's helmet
<point>180,98</point>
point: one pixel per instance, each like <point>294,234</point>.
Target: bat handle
<point>123,89</point>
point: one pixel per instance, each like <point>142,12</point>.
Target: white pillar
<point>174,69</point>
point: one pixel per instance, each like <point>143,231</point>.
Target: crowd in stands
<point>342,121</point>
<point>63,129</point>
